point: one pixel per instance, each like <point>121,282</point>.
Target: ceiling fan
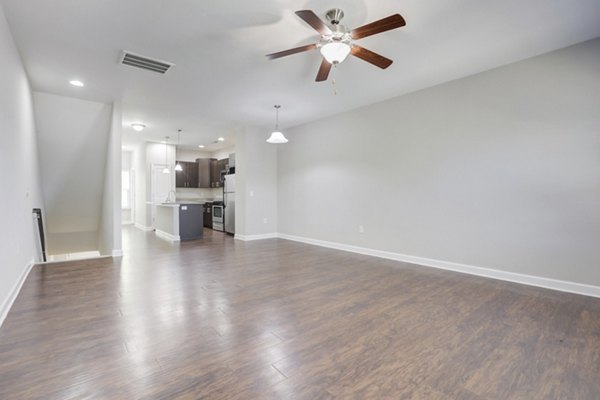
<point>337,42</point>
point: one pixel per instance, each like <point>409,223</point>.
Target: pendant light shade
<point>277,137</point>
<point>178,166</point>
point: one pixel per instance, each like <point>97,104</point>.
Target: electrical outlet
<point>264,220</point>
<point>361,229</point>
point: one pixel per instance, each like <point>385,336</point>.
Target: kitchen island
<point>178,221</point>
<point>166,221</point>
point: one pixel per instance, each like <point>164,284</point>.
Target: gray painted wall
<point>256,183</point>
<point>19,171</point>
<point>109,234</point>
<point>498,170</point>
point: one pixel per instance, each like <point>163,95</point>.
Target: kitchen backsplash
<point>199,194</point>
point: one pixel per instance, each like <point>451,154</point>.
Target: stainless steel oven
<point>217,217</point>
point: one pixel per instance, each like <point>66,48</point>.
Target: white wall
<point>126,160</point>
<point>144,156</point>
<point>498,170</point>
<point>138,162</point>
<point>73,136</point>
<point>191,155</point>
<point>223,153</point>
<point>19,172</point>
<point>127,165</point>
<point>109,234</point>
<point>256,184</point>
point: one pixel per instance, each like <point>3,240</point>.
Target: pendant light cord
<point>277,107</point>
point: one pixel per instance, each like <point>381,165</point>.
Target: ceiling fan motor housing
<point>339,33</point>
<point>334,16</point>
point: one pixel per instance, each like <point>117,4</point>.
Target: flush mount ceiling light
<point>77,83</point>
<point>138,127</point>
<point>166,169</point>
<point>221,139</point>
<point>277,137</point>
<point>201,146</point>
<point>178,166</point>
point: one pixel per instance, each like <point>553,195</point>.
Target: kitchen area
<point>178,191</point>
<point>204,197</point>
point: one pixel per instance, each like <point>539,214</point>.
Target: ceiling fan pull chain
<point>333,87</point>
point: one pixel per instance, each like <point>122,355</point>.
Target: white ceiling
<point>222,80</point>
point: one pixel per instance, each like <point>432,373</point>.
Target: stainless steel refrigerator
<point>229,200</point>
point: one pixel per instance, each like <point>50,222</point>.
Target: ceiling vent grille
<point>138,61</point>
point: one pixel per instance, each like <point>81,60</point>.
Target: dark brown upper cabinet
<point>189,175</point>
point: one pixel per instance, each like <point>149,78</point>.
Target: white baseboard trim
<point>143,228</point>
<point>247,238</point>
<point>50,263</point>
<point>9,301</point>
<point>548,283</point>
<point>167,236</point>
<point>126,222</point>
<point>117,253</point>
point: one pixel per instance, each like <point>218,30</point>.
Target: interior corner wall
<point>109,234</point>
<point>256,184</point>
<point>19,172</point>
<point>73,136</point>
<point>498,170</point>
<point>138,162</point>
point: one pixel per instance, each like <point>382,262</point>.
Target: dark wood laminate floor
<point>274,319</point>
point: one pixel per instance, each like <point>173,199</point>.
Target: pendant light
<point>178,166</point>
<point>277,137</point>
<point>166,169</point>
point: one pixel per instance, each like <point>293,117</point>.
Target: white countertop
<point>164,204</point>
<point>175,204</point>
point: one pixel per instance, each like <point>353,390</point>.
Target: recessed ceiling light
<point>138,127</point>
<point>221,139</point>
<point>76,83</point>
<point>201,146</point>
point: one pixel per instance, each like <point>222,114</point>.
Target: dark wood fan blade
<point>386,24</point>
<point>313,20</point>
<point>291,51</point>
<point>370,57</point>
<point>323,71</point>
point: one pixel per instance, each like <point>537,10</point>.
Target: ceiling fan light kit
<point>335,52</point>
<point>336,42</point>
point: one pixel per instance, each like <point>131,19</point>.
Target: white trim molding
<point>248,238</point>
<point>531,280</point>
<point>9,301</point>
<point>116,253</point>
<point>143,228</point>
<point>167,236</point>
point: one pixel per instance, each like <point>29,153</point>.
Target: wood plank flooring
<point>274,319</point>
